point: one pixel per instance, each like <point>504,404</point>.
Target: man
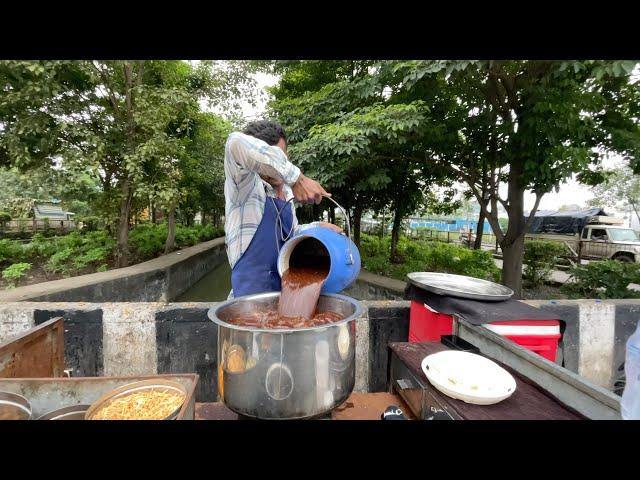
<point>260,183</point>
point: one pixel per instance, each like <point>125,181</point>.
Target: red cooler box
<point>427,325</point>
<point>539,336</point>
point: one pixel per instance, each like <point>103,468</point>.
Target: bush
<point>604,279</point>
<point>89,223</point>
<point>147,240</point>
<point>11,251</point>
<point>76,251</point>
<point>540,257</point>
<point>4,218</point>
<point>15,272</point>
<point>420,256</point>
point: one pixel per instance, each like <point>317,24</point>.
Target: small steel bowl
<point>134,387</point>
<point>73,412</point>
<point>14,407</point>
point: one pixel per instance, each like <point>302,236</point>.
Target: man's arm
<point>255,155</point>
<point>271,163</point>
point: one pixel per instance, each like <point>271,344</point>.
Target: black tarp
<point>563,222</point>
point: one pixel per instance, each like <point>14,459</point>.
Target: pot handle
<point>346,219</point>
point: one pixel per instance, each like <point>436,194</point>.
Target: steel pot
<point>285,373</point>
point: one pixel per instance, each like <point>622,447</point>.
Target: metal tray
<point>14,406</point>
<point>47,394</point>
<point>73,412</point>
<point>460,286</point>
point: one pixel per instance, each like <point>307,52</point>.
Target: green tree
<point>548,119</point>
<point>121,122</point>
<point>620,190</point>
<point>358,141</point>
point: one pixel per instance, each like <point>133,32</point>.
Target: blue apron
<point>257,269</point>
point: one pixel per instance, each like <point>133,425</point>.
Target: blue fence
<point>448,226</point>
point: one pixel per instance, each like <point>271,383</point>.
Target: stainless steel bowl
<point>14,407</point>
<point>134,387</point>
<point>285,373</point>
<point>73,412</point>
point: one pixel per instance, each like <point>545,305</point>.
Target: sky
<point>570,193</point>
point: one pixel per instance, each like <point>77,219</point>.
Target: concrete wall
<point>159,280</point>
<point>370,286</point>
<point>149,338</point>
<point>595,335</point>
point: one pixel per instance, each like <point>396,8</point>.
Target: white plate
<point>468,377</point>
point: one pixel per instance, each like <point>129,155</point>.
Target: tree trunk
<point>395,236</point>
<point>332,215</point>
<point>153,213</point>
<point>479,232</point>
<point>355,226</point>
<point>512,265</point>
<point>122,246</point>
<point>384,212</point>
<point>513,242</point>
<point>171,231</point>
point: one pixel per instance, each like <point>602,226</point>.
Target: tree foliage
<point>135,127</point>
<point>398,127</point>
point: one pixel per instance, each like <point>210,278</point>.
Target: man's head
<point>267,131</point>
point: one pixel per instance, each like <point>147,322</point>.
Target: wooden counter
<point>359,406</point>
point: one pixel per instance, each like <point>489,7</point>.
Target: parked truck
<point>588,234</point>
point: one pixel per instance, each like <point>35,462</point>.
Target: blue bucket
<point>337,250</point>
<point>329,248</point>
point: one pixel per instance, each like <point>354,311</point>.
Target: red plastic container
<point>427,325</point>
<point>539,336</point>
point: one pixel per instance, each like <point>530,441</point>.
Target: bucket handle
<point>346,219</point>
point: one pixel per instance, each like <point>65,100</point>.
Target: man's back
<point>247,162</point>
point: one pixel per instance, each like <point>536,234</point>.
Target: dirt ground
<point>544,292</point>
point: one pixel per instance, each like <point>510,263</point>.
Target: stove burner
<point>325,416</point>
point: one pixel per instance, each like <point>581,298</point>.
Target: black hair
<point>266,130</point>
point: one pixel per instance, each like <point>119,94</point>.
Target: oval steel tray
<point>460,286</point>
<point>73,412</point>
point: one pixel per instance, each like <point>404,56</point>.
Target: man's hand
<point>308,191</point>
<point>330,226</point>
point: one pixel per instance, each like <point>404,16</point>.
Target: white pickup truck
<point>601,238</point>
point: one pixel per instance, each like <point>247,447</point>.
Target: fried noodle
<point>143,405</point>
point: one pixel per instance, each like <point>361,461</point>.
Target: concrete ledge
<point>370,286</point>
<point>161,279</point>
<point>152,337</point>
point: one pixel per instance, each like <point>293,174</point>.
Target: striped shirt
<point>247,160</point>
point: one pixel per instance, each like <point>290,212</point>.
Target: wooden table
<point>359,406</point>
<point>528,402</point>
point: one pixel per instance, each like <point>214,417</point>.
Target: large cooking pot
<point>285,373</point>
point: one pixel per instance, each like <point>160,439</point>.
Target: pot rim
<point>212,314</point>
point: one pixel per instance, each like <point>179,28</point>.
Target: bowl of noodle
<point>144,400</point>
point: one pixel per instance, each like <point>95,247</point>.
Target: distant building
<point>51,210</point>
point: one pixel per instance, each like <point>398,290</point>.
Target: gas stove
<point>326,416</point>
<point>422,399</point>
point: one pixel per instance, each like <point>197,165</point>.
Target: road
<point>558,276</point>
